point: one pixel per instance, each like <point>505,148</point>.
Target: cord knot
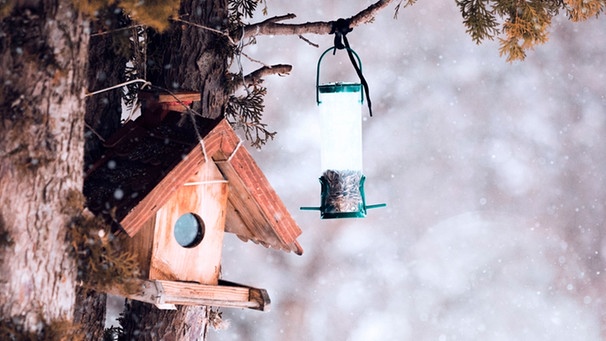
<point>340,28</point>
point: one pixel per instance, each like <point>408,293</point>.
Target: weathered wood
<point>176,101</point>
<point>256,212</point>
<point>141,245</point>
<point>145,322</point>
<point>201,263</point>
<point>160,256</point>
<point>168,294</point>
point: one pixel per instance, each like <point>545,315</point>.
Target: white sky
<point>492,173</point>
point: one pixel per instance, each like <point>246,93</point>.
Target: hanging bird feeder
<point>342,180</point>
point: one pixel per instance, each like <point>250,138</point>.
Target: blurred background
<point>493,175</point>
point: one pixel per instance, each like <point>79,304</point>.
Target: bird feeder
<point>342,180</point>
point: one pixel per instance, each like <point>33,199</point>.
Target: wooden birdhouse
<point>173,184</point>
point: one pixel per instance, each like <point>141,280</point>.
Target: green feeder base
<point>342,195</point>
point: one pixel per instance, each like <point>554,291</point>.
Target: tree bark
<point>89,314</point>
<point>43,53</point>
<point>107,67</point>
<point>145,322</point>
<point>191,58</point>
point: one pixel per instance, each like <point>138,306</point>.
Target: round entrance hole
<point>189,230</point>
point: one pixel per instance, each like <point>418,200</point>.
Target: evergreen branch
<point>244,8</point>
<point>579,10</point>
<point>100,257</point>
<point>526,27</point>
<point>479,19</point>
<point>246,112</point>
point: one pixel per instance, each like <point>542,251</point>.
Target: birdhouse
<point>172,190</point>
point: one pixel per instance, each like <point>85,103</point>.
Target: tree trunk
<point>89,314</point>
<point>145,322</point>
<point>189,58</point>
<point>103,115</point>
<point>43,57</point>
<point>192,58</point>
<point>106,68</point>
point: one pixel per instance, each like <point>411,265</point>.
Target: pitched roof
<point>146,161</point>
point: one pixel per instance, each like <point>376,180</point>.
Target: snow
<point>492,173</point>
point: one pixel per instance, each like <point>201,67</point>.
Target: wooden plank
<point>167,294</point>
<point>185,96</point>
<point>148,291</point>
<point>207,200</point>
<point>140,245</point>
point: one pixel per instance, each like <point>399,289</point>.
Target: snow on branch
<point>272,26</point>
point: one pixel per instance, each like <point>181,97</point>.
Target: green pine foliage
<point>520,24</point>
<point>240,9</point>
<point>245,112</point>
<point>479,19</point>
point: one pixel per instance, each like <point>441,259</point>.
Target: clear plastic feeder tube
<point>341,149</point>
<point>341,126</point>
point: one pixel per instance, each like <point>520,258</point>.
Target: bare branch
<point>279,69</point>
<point>272,27</point>
<point>256,76</point>
<point>278,18</point>
<point>369,13</point>
<point>308,41</point>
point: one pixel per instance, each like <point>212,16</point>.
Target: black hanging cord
<point>340,28</point>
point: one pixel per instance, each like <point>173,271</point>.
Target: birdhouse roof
<point>148,159</point>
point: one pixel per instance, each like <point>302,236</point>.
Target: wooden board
<point>140,245</point>
<point>205,194</point>
<point>167,294</point>
<point>172,102</point>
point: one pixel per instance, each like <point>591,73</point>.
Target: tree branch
<point>272,27</point>
<point>278,18</point>
<point>257,75</point>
